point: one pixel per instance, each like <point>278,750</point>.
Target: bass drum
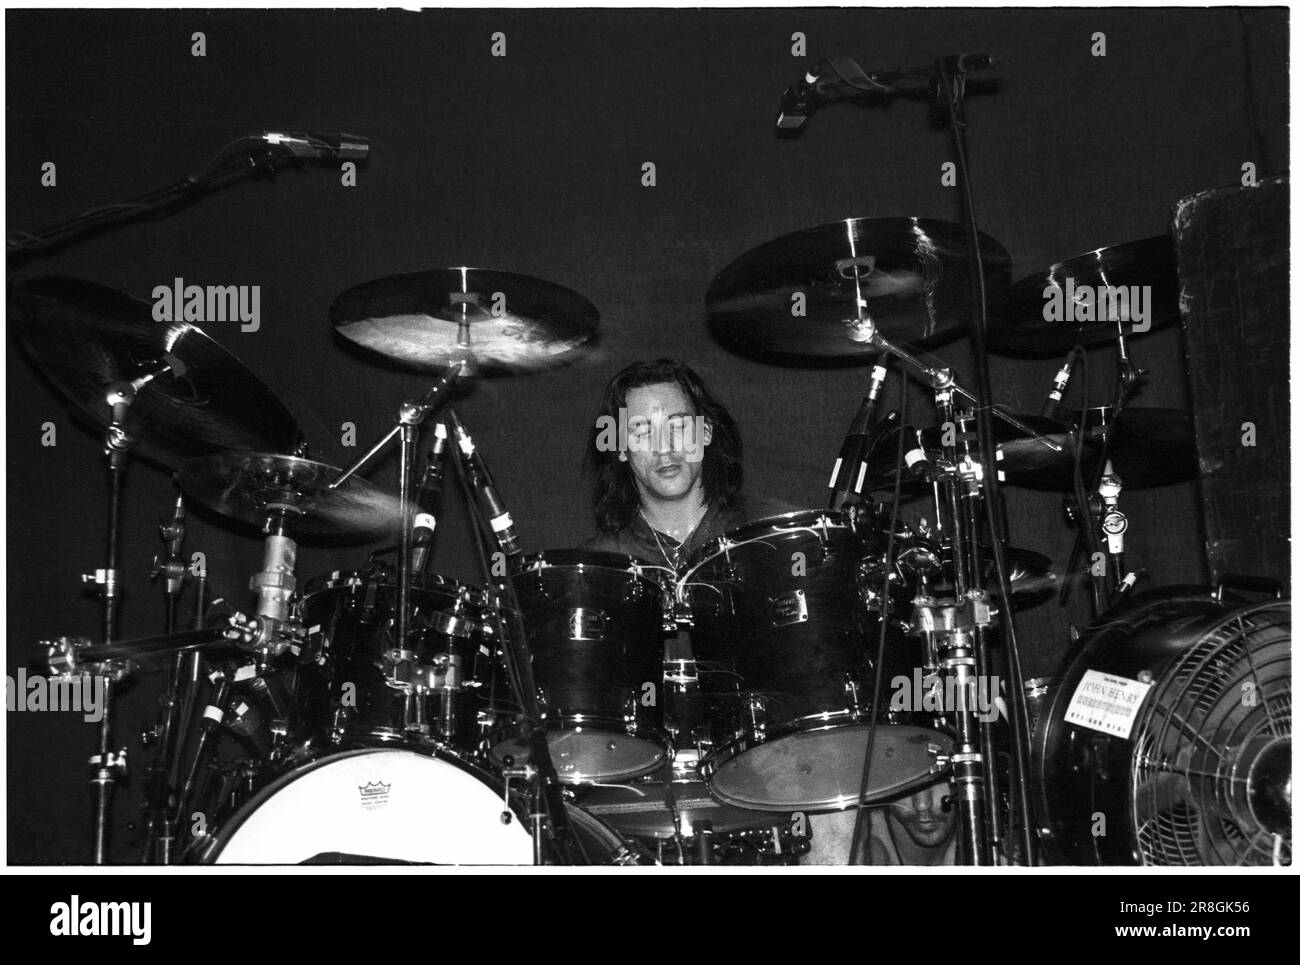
<point>1170,732</point>
<point>393,806</point>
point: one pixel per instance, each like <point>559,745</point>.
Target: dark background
<point>532,163</point>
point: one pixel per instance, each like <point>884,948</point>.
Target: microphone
<point>427,497</point>
<point>838,76</point>
<point>1052,404</point>
<point>503,526</point>
<point>330,145</point>
<point>797,101</point>
<point>850,470</point>
<point>160,366</point>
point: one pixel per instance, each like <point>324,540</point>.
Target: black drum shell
<point>781,618</point>
<point>350,618</point>
<point>594,623</point>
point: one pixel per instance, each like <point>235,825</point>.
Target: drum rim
<point>746,532</point>
<point>222,838</point>
<point>711,764</point>
<point>580,559</point>
<point>338,580</point>
<point>656,736</point>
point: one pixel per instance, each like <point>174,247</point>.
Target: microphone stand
<point>950,78</point>
<point>160,792</point>
<point>967,623</point>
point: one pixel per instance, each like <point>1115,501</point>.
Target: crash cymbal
<point>252,486</point>
<point>84,337</point>
<point>797,295</point>
<point>428,319</point>
<point>1052,311</point>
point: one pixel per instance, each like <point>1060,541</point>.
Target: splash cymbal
<point>252,486</point>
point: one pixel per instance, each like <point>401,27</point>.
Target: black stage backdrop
<point>532,163</point>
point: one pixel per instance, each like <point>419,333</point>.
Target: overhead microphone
<point>331,145</point>
<point>797,102</point>
<point>840,76</point>
<point>850,469</point>
<point>499,519</point>
<point>427,497</point>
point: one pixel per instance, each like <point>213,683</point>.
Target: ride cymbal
<point>429,319</point>
<point>798,295</point>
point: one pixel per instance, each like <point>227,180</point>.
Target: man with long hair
<point>666,457</point>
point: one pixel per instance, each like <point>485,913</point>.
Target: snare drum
<point>595,628</point>
<point>785,649</point>
<point>358,686</point>
<point>394,806</point>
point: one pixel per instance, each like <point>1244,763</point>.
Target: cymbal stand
<point>1098,518</point>
<point>410,416</point>
<point>957,628</point>
<point>107,765</point>
<point>160,791</point>
<point>554,839</point>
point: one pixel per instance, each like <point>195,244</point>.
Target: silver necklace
<point>674,557</point>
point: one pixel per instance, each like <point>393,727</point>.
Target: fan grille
<point>1223,699</point>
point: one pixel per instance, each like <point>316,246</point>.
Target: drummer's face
<point>923,817</point>
<point>664,449</point>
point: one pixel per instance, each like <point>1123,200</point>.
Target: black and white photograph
<point>741,439</point>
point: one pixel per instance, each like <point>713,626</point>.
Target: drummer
<point>666,456</point>
<point>915,829</point>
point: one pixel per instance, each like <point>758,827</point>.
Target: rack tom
<point>359,686</point>
<point>785,650</point>
<point>594,623</point>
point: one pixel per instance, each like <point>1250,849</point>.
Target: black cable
<point>864,783</point>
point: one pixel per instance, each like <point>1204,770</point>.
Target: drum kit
<point>384,714</point>
<point>387,714</point>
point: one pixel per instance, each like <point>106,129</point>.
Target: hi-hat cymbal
<point>1034,319</point>
<point>428,319</point>
<point>85,337</point>
<point>253,486</point>
<point>798,294</point>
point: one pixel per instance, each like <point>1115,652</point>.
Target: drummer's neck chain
<point>673,558</point>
